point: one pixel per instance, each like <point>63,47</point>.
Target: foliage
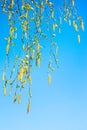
<point>37,21</point>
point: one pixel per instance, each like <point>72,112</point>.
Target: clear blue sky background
<point>63,105</point>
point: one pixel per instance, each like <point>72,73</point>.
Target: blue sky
<point>63,105</point>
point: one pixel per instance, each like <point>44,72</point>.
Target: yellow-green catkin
<point>28,106</point>
<point>73,3</point>
<point>29,79</point>
<point>49,78</point>
<point>3,76</point>
<point>5,90</point>
<point>15,97</point>
<point>30,93</point>
<point>78,38</point>
<point>19,98</point>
